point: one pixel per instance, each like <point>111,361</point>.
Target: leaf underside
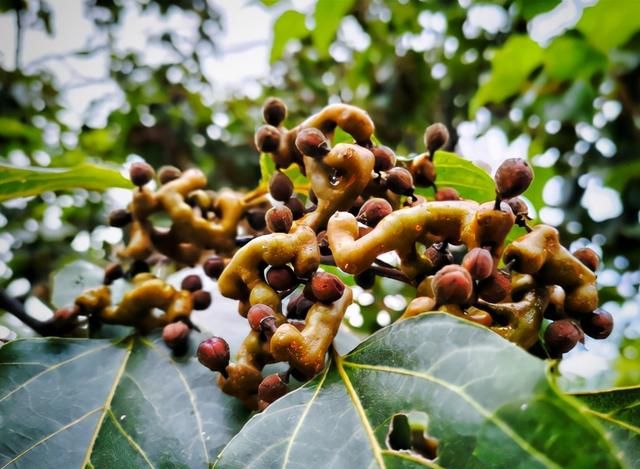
<point>488,402</point>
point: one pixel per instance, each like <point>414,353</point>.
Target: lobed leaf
<point>25,182</point>
<point>488,403</point>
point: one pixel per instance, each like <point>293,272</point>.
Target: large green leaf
<point>104,404</point>
<point>289,25</point>
<point>510,67</point>
<point>487,402</point>
<point>618,410</point>
<point>610,23</point>
<point>471,181</point>
<point>24,182</point>
<point>328,15</point>
<point>568,58</point>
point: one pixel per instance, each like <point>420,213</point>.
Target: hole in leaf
<point>408,432</point>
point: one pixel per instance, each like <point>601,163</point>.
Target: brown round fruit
<point>436,137</point>
<point>257,313</point>
<point>374,210</point>
<point>191,283</point>
<point>312,142</point>
<point>267,139</point>
<point>281,278</point>
<point>423,171</point>
<point>513,177</point>
<point>326,287</point>
<point>271,388</point>
<point>385,158</point>
<point>274,111</point>
<point>140,173</point>
<point>279,219</point>
<point>213,266</point>
<point>168,173</point>
<point>214,354</point>
<point>201,300</point>
<point>400,181</point>
<point>561,336</point>
<point>479,263</point>
<point>176,336</point>
<point>452,285</point>
<point>598,324</point>
<point>280,187</point>
<point>447,193</point>
<point>588,257</point>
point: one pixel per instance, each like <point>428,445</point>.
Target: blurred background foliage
<point>555,81</point>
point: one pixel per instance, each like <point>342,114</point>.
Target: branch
<point>18,37</point>
<point>13,306</point>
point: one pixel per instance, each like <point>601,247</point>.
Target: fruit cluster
<point>266,252</point>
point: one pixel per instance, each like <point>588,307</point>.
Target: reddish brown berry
<point>281,278</point>
<point>176,336</point>
<point>168,173</point>
<point>120,218</point>
<point>439,256</point>
<point>112,273</point>
<point>561,336</point>
<point>214,354</point>
<point>385,158</point>
<point>518,206</point>
<point>298,307</point>
<point>267,139</point>
<point>140,173</point>
<point>279,219</point>
<point>257,313</point>
<point>138,267</point>
<point>271,388</point>
<point>280,187</point>
<point>447,193</point>
<point>588,257</point>
<point>256,219</point>
<point>191,283</point>
<point>213,266</point>
<point>326,287</point>
<point>296,206</point>
<point>513,177</point>
<point>201,300</point>
<point>323,243</point>
<point>274,111</point>
<point>374,210</point>
<point>452,285</point>
<point>496,287</point>
<point>312,142</point>
<point>366,279</point>
<point>598,324</point>
<point>479,263</point>
<point>400,181</point>
<point>436,137</point>
<point>423,171</point>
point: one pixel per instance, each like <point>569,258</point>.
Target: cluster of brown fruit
<point>266,252</point>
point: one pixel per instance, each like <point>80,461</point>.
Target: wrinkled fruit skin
<point>479,263</point>
<point>513,177</point>
<point>326,287</point>
<point>374,210</point>
<point>279,219</point>
<point>452,285</point>
<point>598,324</point>
<point>257,313</point>
<point>562,336</point>
<point>272,388</point>
<point>312,142</point>
<point>214,354</point>
<point>176,336</point>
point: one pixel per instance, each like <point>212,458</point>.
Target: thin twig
<point>18,38</point>
<point>13,306</point>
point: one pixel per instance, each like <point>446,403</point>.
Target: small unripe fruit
<point>112,273</point>
<point>176,336</point>
<point>496,287</point>
<point>479,263</point>
<point>400,181</point>
<point>513,177</point>
<point>561,336</point>
<point>168,173</point>
<point>140,173</point>
<point>267,139</point>
<point>191,283</point>
<point>447,193</point>
<point>279,219</point>
<point>214,354</point>
<point>423,171</point>
<point>120,218</point>
<point>436,137</point>
<point>256,219</point>
<point>385,158</point>
<point>257,313</point>
<point>274,111</point>
<point>298,307</point>
<point>374,210</point>
<point>296,206</point>
<point>271,388</point>
<point>326,287</point>
<point>597,324</point>
<point>201,300</point>
<point>280,187</point>
<point>439,256</point>
<point>312,142</point>
<point>138,267</point>
<point>213,266</point>
<point>452,285</point>
<point>281,278</point>
<point>366,279</point>
<point>588,257</point>
<point>518,206</point>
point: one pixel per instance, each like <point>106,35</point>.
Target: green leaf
<point>568,58</point>
<point>529,9</point>
<point>98,403</point>
<point>72,280</point>
<point>510,67</point>
<point>471,181</point>
<point>610,23</point>
<point>328,15</point>
<point>618,411</point>
<point>289,25</point>
<point>13,128</point>
<point>488,403</point>
<point>25,182</point>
